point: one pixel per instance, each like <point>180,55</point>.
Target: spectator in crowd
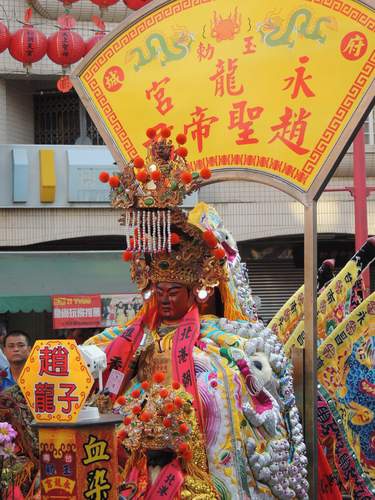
<point>17,346</point>
<point>3,360</point>
<point>15,411</point>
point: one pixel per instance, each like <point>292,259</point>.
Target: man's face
<point>173,300</point>
<point>16,349</point>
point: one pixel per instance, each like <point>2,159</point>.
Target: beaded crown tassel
<point>148,190</point>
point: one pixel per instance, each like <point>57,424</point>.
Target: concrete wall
<point>19,112</point>
<point>3,112</point>
<point>250,211</point>
<point>263,213</point>
<point>16,112</point>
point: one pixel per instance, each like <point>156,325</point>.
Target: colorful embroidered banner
<point>344,460</point>
<point>346,371</point>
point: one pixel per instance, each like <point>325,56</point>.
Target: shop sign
<point>55,381</point>
<point>78,463</point>
<point>76,311</point>
<point>250,83</point>
<point>121,308</point>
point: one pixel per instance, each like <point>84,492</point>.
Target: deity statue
<point>205,389</point>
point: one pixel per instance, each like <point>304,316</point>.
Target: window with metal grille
<point>61,119</point>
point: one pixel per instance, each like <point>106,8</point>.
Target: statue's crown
<point>162,180</point>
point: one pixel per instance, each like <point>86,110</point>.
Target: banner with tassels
<point>287,318</point>
<point>347,377</point>
<point>332,305</point>
<point>337,299</point>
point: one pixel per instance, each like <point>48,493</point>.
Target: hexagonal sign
<point>55,381</point>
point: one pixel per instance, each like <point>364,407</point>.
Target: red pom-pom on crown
<point>104,177</point>
<point>181,139</point>
<point>151,133</point>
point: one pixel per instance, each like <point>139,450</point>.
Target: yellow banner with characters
<point>331,302</point>
<point>330,305</point>
<point>250,83</point>
<point>288,317</point>
<point>297,339</point>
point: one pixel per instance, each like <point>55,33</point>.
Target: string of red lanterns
<point>64,47</point>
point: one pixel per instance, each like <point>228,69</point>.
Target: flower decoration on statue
<point>3,376</point>
<point>8,464</point>
<point>157,417</point>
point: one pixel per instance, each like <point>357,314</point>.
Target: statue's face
<point>173,300</point>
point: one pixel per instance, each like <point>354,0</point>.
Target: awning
<point>25,304</point>
<point>28,279</point>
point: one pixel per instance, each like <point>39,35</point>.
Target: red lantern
<point>136,4</point>
<point>66,47</point>
<point>98,35</point>
<point>104,4</point>
<point>28,45</point>
<point>68,3</point>
<point>64,84</point>
<point>4,37</point>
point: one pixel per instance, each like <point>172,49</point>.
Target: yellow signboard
<point>261,86</point>
<point>55,381</point>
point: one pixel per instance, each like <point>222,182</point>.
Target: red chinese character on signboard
<point>54,361</point>
<point>113,78</point>
<point>201,126</point>
<point>291,130</point>
<point>68,398</point>
<point>157,91</point>
<point>250,47</point>
<point>243,117</point>
<point>224,78</point>
<point>44,395</point>
<point>354,45</point>
<point>205,51</point>
<point>299,81</point>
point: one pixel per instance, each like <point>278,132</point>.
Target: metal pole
<point>310,399</point>
<point>360,198</point>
